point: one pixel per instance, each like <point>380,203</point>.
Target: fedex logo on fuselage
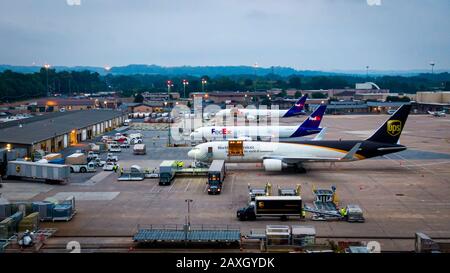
<point>223,131</point>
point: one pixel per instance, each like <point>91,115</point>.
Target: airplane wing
<point>350,156</point>
<point>321,134</point>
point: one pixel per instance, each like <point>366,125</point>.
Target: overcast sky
<point>304,34</point>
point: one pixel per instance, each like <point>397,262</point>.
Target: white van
<point>114,148</point>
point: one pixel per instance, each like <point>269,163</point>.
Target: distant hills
<point>213,70</point>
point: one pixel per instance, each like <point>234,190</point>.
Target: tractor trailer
<point>272,206</point>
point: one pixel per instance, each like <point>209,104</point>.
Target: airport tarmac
<point>400,194</point>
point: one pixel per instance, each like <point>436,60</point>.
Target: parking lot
<point>400,194</point>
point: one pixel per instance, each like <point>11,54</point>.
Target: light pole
<point>169,85</point>
<point>432,64</point>
<point>367,71</point>
<point>47,67</point>
<point>188,201</point>
<point>204,82</point>
<point>254,82</point>
<point>185,82</point>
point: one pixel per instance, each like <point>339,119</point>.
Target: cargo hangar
<point>53,132</point>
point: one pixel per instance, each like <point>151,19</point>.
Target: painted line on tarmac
<point>415,165</point>
<point>187,186</point>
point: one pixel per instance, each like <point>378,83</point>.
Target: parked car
<point>98,162</point>
<point>109,166</point>
<point>112,157</point>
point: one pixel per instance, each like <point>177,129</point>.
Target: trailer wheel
<point>71,170</point>
<point>82,169</point>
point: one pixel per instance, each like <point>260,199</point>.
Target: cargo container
<point>62,212</point>
<point>303,235</point>
<point>53,156</point>
<point>30,222</point>
<point>216,175</point>
<point>5,208</point>
<point>45,210</point>
<point>139,149</point>
<point>24,207</point>
<point>76,159</point>
<point>272,206</point>
<point>167,172</point>
<point>6,228</point>
<point>278,235</point>
<point>39,171</point>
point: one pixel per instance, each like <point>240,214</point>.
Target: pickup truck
<point>82,168</point>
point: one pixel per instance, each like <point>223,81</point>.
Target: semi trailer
<point>272,206</point>
<point>216,175</point>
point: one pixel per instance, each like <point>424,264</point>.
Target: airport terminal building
<point>53,132</point>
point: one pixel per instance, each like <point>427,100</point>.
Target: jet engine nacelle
<point>274,165</point>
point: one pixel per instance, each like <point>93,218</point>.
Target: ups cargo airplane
<point>308,127</point>
<point>276,155</point>
<point>252,114</point>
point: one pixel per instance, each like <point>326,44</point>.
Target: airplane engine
<point>274,165</point>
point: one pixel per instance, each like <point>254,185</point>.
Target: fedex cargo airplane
<point>277,155</point>
<point>252,114</point>
<point>308,127</point>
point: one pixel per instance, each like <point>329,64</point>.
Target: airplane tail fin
<point>313,121</point>
<point>297,108</point>
<point>391,129</point>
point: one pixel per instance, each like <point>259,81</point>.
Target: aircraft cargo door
<point>235,148</point>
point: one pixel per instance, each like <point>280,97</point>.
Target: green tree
<point>318,95</point>
<point>139,98</point>
<point>295,82</point>
<point>298,94</point>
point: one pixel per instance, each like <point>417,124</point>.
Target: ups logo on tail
<point>394,127</point>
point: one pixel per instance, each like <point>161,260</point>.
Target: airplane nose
<point>192,154</point>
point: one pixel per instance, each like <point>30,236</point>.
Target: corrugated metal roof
<point>41,128</point>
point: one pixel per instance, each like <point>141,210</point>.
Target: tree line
<point>19,86</point>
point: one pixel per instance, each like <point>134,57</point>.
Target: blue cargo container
<point>62,212</point>
<point>45,210</point>
<point>57,161</point>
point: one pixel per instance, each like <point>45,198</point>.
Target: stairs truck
<point>272,206</point>
<point>216,175</point>
<point>78,163</point>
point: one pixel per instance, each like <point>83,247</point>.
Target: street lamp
<point>47,67</point>
<point>432,64</point>
<point>188,201</point>
<point>204,82</point>
<point>367,71</point>
<point>185,82</point>
<point>169,85</point>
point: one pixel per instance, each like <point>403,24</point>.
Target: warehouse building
<point>55,131</point>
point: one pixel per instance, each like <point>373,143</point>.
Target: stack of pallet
<point>30,222</point>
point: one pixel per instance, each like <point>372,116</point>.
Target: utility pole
<point>47,67</point>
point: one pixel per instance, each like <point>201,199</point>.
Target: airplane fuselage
<point>254,132</point>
